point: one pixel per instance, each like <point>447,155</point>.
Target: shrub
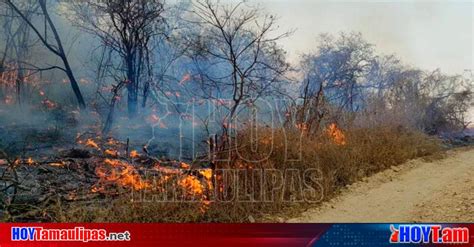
<point>258,162</point>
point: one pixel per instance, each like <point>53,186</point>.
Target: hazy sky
<point>426,34</point>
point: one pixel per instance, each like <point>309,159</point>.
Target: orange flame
<point>113,142</point>
<point>9,77</point>
<point>192,185</point>
<point>30,161</point>
<point>134,154</point>
<point>184,165</point>
<point>207,174</point>
<point>336,134</point>
<point>111,152</point>
<point>57,164</point>
<point>122,173</point>
<point>91,143</point>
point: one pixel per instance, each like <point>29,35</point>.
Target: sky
<point>425,34</point>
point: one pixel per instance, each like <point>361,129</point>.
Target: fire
<point>207,174</point>
<point>192,185</point>
<point>95,189</point>
<point>9,74</point>
<point>336,134</point>
<point>30,161</point>
<point>134,154</point>
<point>9,78</point>
<point>111,152</point>
<point>113,163</point>
<point>91,143</point>
<point>112,142</point>
<point>184,165</point>
<point>57,164</point>
<point>49,104</point>
<point>122,173</point>
<point>114,172</point>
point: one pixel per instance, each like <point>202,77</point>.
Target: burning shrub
<point>274,171</point>
<point>265,172</point>
<point>334,158</point>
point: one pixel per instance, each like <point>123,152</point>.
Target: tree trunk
<point>132,101</point>
<point>74,85</point>
<point>132,87</point>
<point>62,55</point>
<point>145,94</point>
<point>19,85</point>
<point>110,116</point>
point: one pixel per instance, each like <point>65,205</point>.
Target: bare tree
<point>334,74</point>
<point>56,47</point>
<point>433,101</point>
<point>17,45</point>
<point>235,50</point>
<point>339,65</point>
<point>125,27</point>
<point>430,101</point>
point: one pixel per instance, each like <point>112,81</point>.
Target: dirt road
<point>418,191</point>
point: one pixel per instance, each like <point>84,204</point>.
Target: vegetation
<point>274,185</point>
<point>216,125</point>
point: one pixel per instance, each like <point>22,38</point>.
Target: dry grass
<point>266,159</point>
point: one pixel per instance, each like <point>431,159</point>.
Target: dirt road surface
<point>418,191</point>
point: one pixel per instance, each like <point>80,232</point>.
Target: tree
<point>338,69</point>
<point>236,53</point>
<point>17,44</point>
<point>56,47</point>
<point>126,27</point>
<point>335,74</point>
<point>430,101</point>
<point>433,101</point>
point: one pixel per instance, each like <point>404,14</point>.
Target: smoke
<point>178,118</point>
<point>428,34</point>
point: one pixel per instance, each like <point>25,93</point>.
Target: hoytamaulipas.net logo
<point>435,234</point>
<point>73,234</point>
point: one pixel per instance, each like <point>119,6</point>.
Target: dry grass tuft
<point>262,179</point>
